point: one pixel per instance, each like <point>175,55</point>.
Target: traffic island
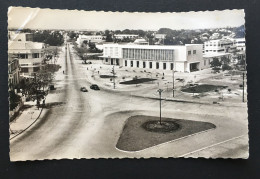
<point>141,132</point>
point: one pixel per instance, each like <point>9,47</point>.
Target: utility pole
<point>160,94</point>
<point>173,80</point>
<point>243,100</point>
<point>113,72</point>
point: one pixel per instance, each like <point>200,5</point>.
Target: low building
<point>186,58</point>
<point>207,58</point>
<point>90,38</point>
<point>30,56</point>
<point>141,42</point>
<point>19,36</point>
<point>160,36</point>
<point>125,36</point>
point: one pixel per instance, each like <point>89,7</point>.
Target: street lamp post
<point>160,94</point>
<point>243,98</point>
<point>173,80</point>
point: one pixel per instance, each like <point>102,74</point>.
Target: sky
<point>36,18</point>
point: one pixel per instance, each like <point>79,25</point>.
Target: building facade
<point>124,36</point>
<point>185,58</point>
<point>13,70</point>
<point>17,36</point>
<point>207,58</point>
<point>219,46</point>
<point>30,56</point>
<point>90,38</point>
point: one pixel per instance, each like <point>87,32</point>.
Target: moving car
<point>94,87</point>
<point>83,89</point>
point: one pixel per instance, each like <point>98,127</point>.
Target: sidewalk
<point>30,113</point>
<point>25,119</point>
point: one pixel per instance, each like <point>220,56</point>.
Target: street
<point>88,125</point>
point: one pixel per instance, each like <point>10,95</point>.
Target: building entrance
<point>194,66</point>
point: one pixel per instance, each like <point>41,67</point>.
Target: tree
<point>215,64</point>
<point>14,100</point>
<point>108,36</point>
<point>225,63</point>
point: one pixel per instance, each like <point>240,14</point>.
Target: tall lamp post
<point>173,80</point>
<point>243,100</point>
<point>160,94</point>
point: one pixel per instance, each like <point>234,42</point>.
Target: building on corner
<point>186,58</point>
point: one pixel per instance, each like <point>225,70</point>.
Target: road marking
<point>213,145</point>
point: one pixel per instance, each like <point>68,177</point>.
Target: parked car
<point>94,87</point>
<point>83,89</point>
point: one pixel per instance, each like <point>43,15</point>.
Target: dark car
<point>94,87</point>
<point>83,89</point>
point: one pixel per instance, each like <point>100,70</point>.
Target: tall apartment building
<point>29,55</point>
<point>184,58</point>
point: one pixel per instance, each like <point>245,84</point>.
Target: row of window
<point>150,64</point>
<point>26,70</point>
<point>148,54</point>
<point>194,52</point>
<point>221,50</point>
<point>25,56</point>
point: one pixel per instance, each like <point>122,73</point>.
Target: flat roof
<point>149,46</point>
<point>210,55</point>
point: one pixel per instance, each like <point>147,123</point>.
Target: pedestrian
<point>43,103</point>
<point>63,71</point>
<point>163,74</point>
<point>98,72</point>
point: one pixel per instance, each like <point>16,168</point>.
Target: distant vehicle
<point>83,89</point>
<point>94,87</point>
<point>86,62</point>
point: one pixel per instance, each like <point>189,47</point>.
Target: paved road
<point>88,125</point>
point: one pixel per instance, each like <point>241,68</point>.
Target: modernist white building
<point>90,38</point>
<point>18,36</point>
<point>219,46</point>
<point>184,58</point>
<point>124,36</point>
<point>240,43</point>
<point>29,54</point>
<point>207,58</point>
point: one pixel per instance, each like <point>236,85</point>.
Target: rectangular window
<point>24,70</point>
<point>125,62</point>
<point>189,52</point>
<point>157,65</point>
<point>35,55</point>
<point>164,66</point>
<point>171,66</point>
<point>144,64</point>
<point>137,64</point>
<point>106,60</point>
<point>23,56</point>
<point>151,64</point>
<point>194,51</point>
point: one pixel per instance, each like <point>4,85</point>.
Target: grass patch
<point>137,81</point>
<point>202,88</point>
<point>135,137</point>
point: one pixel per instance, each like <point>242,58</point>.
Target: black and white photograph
<point>97,84</point>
